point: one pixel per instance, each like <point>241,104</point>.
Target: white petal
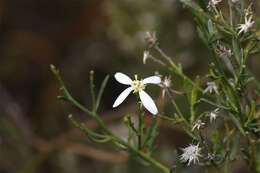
<point>123,79</point>
<point>152,80</point>
<point>148,103</point>
<point>122,96</point>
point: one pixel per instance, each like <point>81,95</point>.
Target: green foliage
<point>229,83</point>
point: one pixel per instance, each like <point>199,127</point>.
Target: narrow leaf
<point>187,88</point>
<point>101,90</point>
<point>235,146</point>
<point>92,90</point>
<point>210,27</point>
<point>237,123</point>
<point>194,94</point>
<point>151,131</point>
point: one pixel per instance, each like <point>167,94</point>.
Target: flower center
<point>137,85</point>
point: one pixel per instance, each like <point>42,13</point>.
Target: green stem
<point>93,115</point>
<point>92,90</point>
<point>140,153</point>
<point>140,126</point>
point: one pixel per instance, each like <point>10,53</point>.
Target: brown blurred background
<point>78,36</point>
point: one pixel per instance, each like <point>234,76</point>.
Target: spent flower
<point>222,51</point>
<point>165,84</point>
<point>211,86</point>
<point>249,11</point>
<point>137,86</point>
<point>213,115</point>
<point>191,154</point>
<point>146,56</point>
<point>150,38</point>
<point>212,4</point>
<point>198,125</point>
<point>211,156</point>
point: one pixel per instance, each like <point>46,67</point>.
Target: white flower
<point>137,86</point>
<point>213,115</point>
<point>212,4</point>
<point>246,26</point>
<point>211,87</point>
<point>191,153</point>
<point>146,56</point>
<point>197,125</point>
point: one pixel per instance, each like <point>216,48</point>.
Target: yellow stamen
<point>136,77</point>
<point>137,85</point>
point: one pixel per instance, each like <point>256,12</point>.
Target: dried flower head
<point>222,51</point>
<point>150,38</point>
<point>191,154</point>
<point>249,11</point>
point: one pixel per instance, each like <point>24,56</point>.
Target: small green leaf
<point>187,88</point>
<point>251,114</point>
<point>254,124</point>
<point>236,50</point>
<point>92,90</point>
<point>191,4</point>
<point>151,133</point>
<point>210,27</point>
<point>193,100</point>
<point>237,123</point>
<point>213,104</point>
<point>101,90</point>
<point>215,139</point>
<point>228,135</point>
<point>202,36</point>
<point>235,146</point>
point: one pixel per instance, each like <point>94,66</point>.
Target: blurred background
<point>78,36</point>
